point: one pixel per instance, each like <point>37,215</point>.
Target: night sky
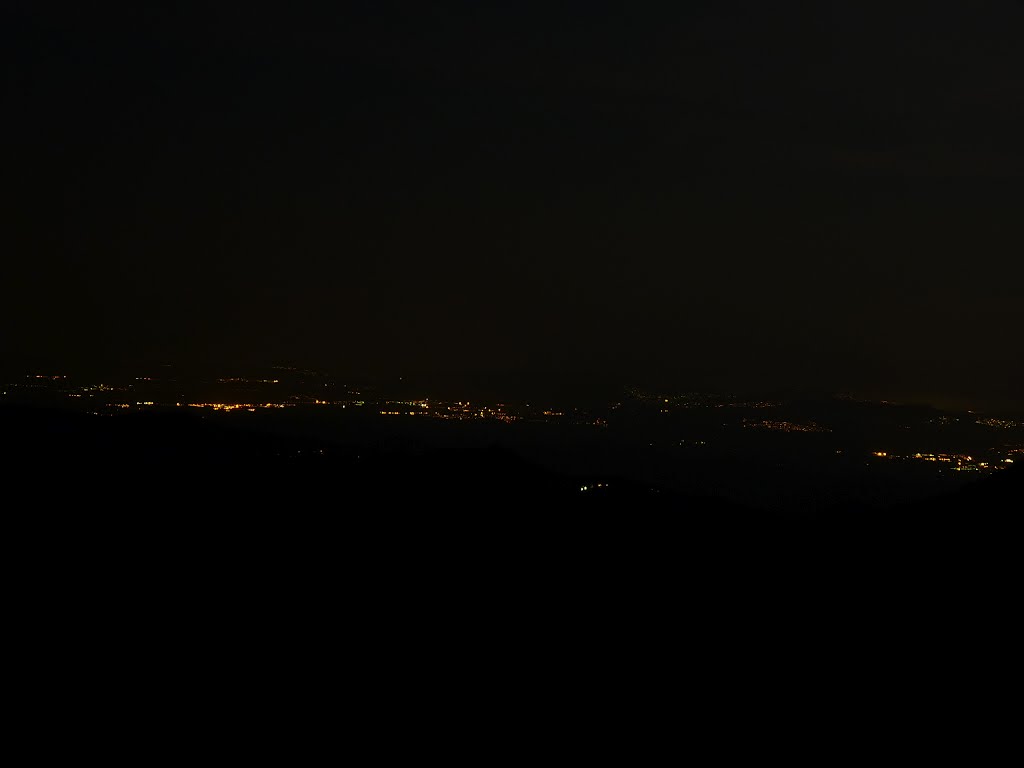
<point>737,194</point>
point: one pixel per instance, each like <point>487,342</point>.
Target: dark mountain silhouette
<point>170,554</point>
<point>195,475</point>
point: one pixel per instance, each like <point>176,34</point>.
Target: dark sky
<point>749,193</point>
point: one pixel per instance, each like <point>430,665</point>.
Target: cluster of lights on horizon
<point>784,426</point>
<point>958,462</point>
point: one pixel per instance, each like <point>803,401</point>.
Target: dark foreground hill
<point>187,470</point>
<point>150,486</point>
<point>263,588</point>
